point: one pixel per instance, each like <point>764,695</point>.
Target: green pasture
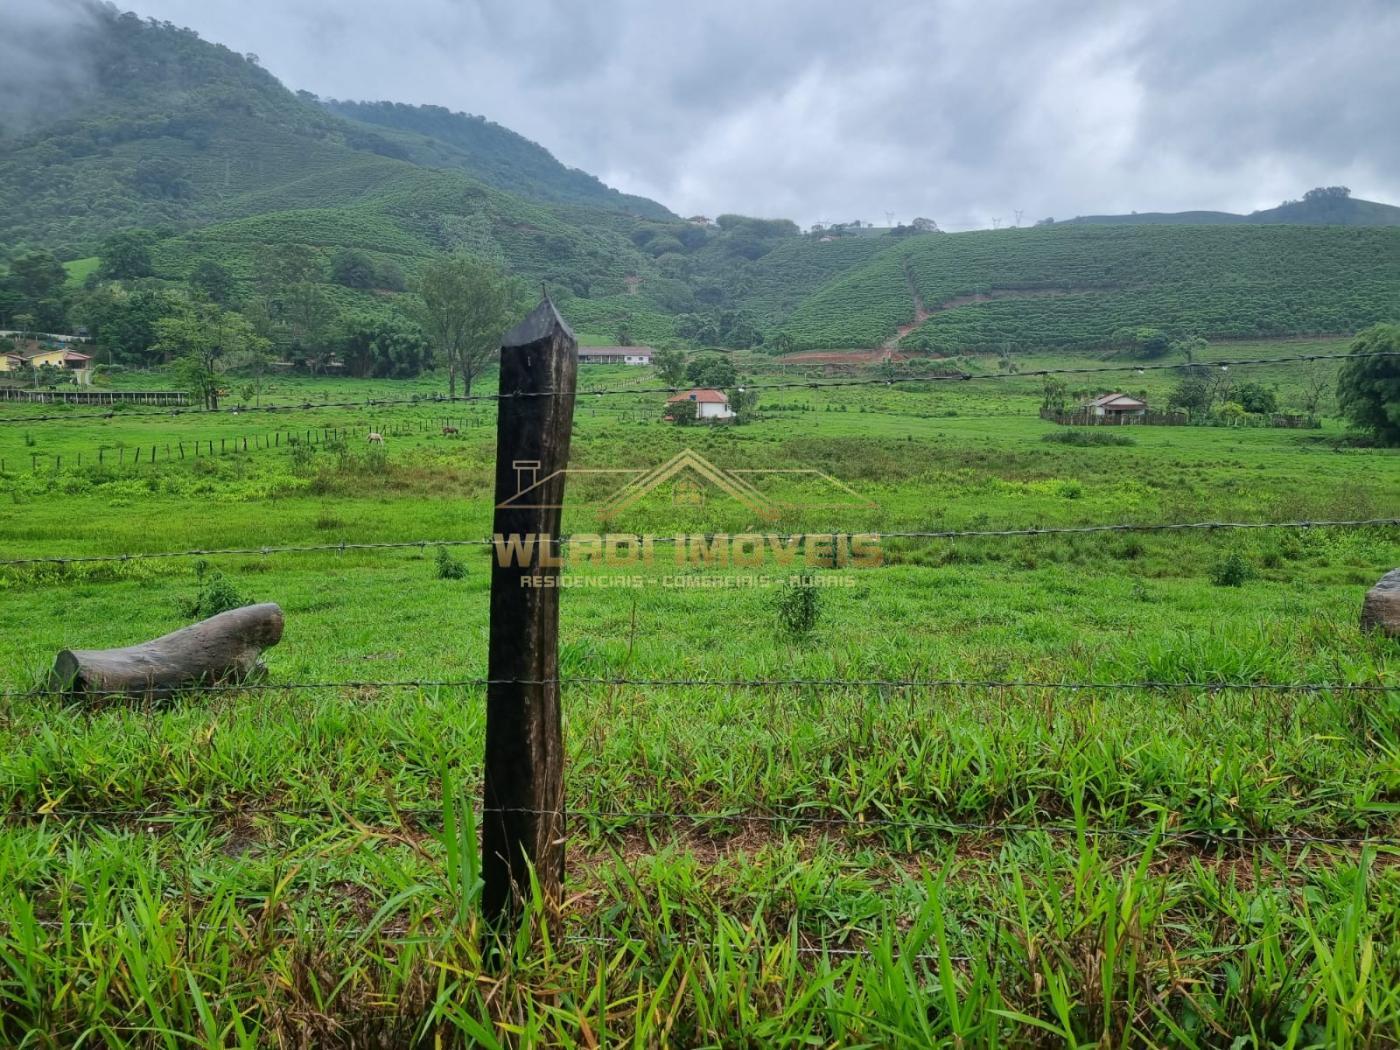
<point>883,863</point>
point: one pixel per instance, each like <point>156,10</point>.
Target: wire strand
<point>940,534</point>
<point>1145,685</point>
<point>793,816</point>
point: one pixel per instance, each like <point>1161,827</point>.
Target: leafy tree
<point>204,339</point>
<point>682,413</point>
<point>381,346</point>
<point>254,360</point>
<point>1145,342</point>
<point>782,343</point>
<point>1317,384</point>
<point>1054,395</point>
<point>211,281</point>
<point>712,370</point>
<point>309,315</point>
<point>352,268</point>
<point>743,401</point>
<point>465,307</point>
<point>391,277</point>
<point>162,178</point>
<point>286,265</point>
<point>124,323</point>
<point>1257,399</point>
<point>670,366</point>
<point>1327,193</point>
<point>1192,393</point>
<point>126,256</point>
<point>1368,389</point>
<point>38,276</point>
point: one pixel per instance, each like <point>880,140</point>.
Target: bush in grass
<point>1084,438</point>
<point>1231,571</point>
<point>448,567</point>
<point>302,455</point>
<point>798,608</point>
<point>216,594</point>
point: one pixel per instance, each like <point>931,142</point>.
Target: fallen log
<point>223,648</point>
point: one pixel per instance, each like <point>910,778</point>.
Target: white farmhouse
<point>614,355</point>
<point>709,404</point>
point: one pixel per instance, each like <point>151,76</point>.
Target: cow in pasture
<point>376,439</point>
<point>449,431</point>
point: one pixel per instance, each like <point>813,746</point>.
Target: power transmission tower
<point>1019,212</point>
<point>889,218</point>
<point>996,223</point>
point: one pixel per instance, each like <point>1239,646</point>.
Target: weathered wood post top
<point>523,805</point>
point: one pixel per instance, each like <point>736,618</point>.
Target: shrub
<point>448,567</point>
<point>1231,571</point>
<point>1083,438</point>
<point>798,608</point>
<point>216,594</point>
<point>302,455</point>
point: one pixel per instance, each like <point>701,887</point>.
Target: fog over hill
<point>957,110</point>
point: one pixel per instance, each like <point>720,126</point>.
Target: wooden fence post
<point>523,811</point>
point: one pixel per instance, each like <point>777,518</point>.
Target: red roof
<point>701,395</point>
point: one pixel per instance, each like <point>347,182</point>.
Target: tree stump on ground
<point>223,648</point>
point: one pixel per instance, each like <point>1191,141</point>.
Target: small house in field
<point>709,404</point>
<point>1116,406</point>
<point>54,357</point>
<point>614,355</point>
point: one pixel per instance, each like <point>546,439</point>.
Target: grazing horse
<point>376,439</point>
<point>448,431</point>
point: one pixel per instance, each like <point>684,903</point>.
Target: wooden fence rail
<point>176,398</point>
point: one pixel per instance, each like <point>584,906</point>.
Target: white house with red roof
<point>709,404</point>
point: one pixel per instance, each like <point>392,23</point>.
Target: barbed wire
<point>1038,530</point>
<point>360,685</point>
<point>810,384</point>
<point>803,817</point>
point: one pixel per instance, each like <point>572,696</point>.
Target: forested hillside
<point>437,137</point>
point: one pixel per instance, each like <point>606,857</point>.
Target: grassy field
<point>878,861</point>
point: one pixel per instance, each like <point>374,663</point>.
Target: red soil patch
<point>843,357</point>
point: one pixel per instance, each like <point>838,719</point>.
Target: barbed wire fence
<point>775,818</point>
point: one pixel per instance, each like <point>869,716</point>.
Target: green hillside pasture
<point>1235,282</point>
<point>858,310</point>
<point>79,269</point>
<point>956,824</point>
<point>1084,282</point>
<point>774,286</point>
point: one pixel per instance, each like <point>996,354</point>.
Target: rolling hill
<point>1317,208</point>
<point>1076,286</point>
<point>200,144</point>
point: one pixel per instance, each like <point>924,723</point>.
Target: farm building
<point>1119,405</point>
<point>709,404</point>
<point>614,355</point>
<point>53,357</point>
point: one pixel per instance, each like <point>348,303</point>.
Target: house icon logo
<point>692,481</point>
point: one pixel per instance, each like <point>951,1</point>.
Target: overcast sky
<point>959,110</point>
